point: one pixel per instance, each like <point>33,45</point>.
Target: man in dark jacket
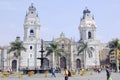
<point>108,71</point>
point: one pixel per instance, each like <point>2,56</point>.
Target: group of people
<point>66,73</point>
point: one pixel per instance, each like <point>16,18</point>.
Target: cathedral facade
<point>32,43</point>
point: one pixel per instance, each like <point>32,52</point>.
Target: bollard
<point>11,72</point>
<point>46,74</point>
<point>5,74</point>
<point>20,75</point>
<point>31,73</point>
<point>73,72</point>
<point>83,72</point>
<point>91,72</point>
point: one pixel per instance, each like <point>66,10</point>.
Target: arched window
<point>32,12</point>
<point>78,63</point>
<point>90,55</point>
<point>15,55</point>
<point>62,62</point>
<point>30,55</point>
<point>30,47</point>
<point>14,65</point>
<point>63,46</point>
<point>89,35</point>
<point>31,32</point>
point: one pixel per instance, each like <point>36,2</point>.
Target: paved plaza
<point>60,76</point>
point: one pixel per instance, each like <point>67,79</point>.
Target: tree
<point>17,46</point>
<point>83,48</point>
<point>55,50</point>
<point>114,45</point>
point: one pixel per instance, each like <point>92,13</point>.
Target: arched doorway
<point>62,62</point>
<point>14,65</point>
<point>78,63</point>
<point>46,63</point>
<point>89,35</point>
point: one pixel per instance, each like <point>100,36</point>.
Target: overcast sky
<point>58,16</point>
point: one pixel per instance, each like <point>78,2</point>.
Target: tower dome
<point>86,10</point>
<point>31,16</point>
<point>32,8</point>
<point>87,20</point>
<point>87,26</point>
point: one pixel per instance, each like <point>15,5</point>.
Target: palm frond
<point>82,46</point>
<point>81,50</point>
<point>53,44</point>
<point>114,45</point>
<point>89,51</point>
<point>17,46</point>
<point>59,52</point>
<point>53,47</point>
<point>49,51</point>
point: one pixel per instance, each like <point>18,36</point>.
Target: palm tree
<point>114,45</point>
<point>17,46</point>
<point>83,48</point>
<point>55,50</point>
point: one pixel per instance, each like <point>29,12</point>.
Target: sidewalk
<point>59,76</point>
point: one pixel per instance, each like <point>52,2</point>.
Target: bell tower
<point>31,39</point>
<point>87,27</point>
<point>31,25</point>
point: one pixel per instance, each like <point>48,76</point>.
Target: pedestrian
<point>53,72</point>
<point>108,72</point>
<point>66,73</point>
<point>69,73</point>
<point>99,70</point>
<point>110,78</point>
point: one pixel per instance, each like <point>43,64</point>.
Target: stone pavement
<point>60,76</point>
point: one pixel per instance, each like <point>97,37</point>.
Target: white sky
<point>58,16</point>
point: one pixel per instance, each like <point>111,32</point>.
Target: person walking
<point>108,72</point>
<point>53,72</point>
<point>66,73</point>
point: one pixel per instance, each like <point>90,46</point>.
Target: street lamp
<point>95,63</point>
<point>28,62</point>
<point>3,60</point>
<point>117,61</point>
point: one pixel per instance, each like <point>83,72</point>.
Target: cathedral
<point>32,42</point>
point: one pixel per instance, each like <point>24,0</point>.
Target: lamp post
<point>28,62</point>
<point>117,61</point>
<point>95,63</point>
<point>42,57</point>
<point>117,57</point>
<point>3,60</point>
